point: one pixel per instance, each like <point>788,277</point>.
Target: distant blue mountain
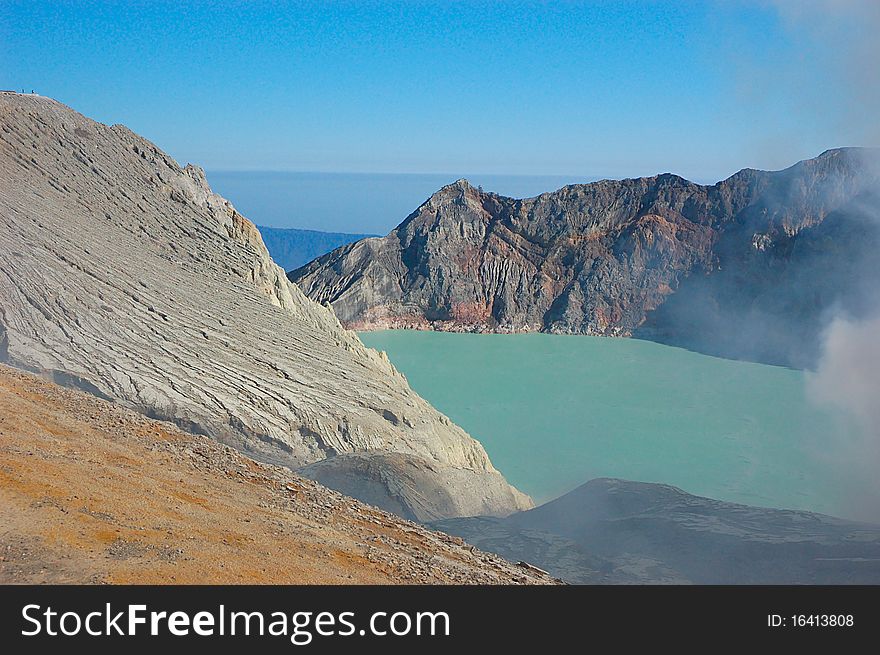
<point>291,248</point>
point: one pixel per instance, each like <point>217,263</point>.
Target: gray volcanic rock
<point>121,273</point>
<point>620,532</point>
<point>598,258</point>
<point>409,486</point>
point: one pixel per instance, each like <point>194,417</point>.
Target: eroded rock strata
<point>123,274</point>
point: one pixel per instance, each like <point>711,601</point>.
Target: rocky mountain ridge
<point>604,258</point>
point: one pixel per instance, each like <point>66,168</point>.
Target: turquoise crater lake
<point>555,411</point>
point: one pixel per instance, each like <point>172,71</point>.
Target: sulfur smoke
<point>848,380</point>
<point>847,375</point>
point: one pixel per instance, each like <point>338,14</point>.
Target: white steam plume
<point>847,380</point>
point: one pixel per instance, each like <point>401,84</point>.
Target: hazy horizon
<point>360,203</point>
<point>367,203</point>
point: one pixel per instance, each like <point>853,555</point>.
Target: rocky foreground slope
<point>121,273</point>
<point>619,532</point>
<point>745,268</point>
<point>92,492</point>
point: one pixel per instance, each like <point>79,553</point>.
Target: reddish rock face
<point>595,258</point>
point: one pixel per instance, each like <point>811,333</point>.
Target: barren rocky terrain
<point>91,492</point>
<point>123,274</point>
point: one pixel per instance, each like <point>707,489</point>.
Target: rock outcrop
<point>603,258</point>
<point>620,532</point>
<point>123,274</point>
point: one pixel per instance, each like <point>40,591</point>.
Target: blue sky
<point>575,88</point>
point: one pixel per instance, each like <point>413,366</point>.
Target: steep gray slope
<point>123,274</point>
<point>620,532</point>
<point>608,257</point>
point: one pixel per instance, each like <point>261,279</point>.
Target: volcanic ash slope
<point>121,273</point>
<point>93,492</point>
